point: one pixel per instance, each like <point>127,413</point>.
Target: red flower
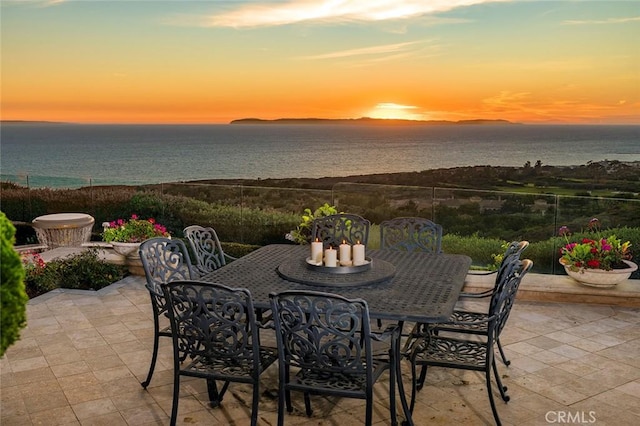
<point>593,263</point>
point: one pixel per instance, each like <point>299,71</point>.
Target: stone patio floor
<point>83,354</point>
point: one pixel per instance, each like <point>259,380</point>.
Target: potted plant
<point>126,235</point>
<point>302,233</point>
<point>600,261</point>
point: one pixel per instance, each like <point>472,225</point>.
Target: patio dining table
<point>398,286</point>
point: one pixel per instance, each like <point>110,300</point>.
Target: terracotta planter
<point>600,277</point>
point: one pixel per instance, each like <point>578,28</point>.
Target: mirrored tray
<point>339,269</point>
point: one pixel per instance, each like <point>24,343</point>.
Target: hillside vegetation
<point>605,178</point>
<point>479,207</point>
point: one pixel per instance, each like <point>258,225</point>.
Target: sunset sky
<point>215,61</point>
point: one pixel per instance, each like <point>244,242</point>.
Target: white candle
<point>358,254</point>
<point>331,257</point>
<point>345,254</point>
<point>316,252</point>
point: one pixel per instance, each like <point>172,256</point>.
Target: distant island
<point>345,121</point>
<point>30,122</point>
<point>367,120</point>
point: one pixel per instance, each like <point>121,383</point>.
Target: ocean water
<point>72,155</point>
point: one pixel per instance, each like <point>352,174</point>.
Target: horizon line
<point>346,120</point>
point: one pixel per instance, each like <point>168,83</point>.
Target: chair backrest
<point>502,300</point>
<point>332,230</point>
<point>322,333</point>
<point>164,260</point>
<point>206,247</point>
<point>514,251</point>
<point>214,322</point>
<point>411,234</point>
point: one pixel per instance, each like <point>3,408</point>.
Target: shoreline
<point>613,175</point>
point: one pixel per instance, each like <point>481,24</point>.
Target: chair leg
<point>215,396</point>
<point>501,388</point>
<point>414,386</point>
<point>288,400</point>
<point>307,404</point>
<point>283,395</point>
<point>156,338</point>
<point>284,378</point>
<point>423,376</point>
<point>394,367</point>
<point>368,415</point>
<point>281,401</point>
<point>223,390</point>
<point>212,390</point>
<point>406,410</point>
<point>254,403</point>
<point>176,396</point>
<point>505,361</point>
<point>491,400</point>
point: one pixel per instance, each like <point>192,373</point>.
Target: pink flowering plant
<point>598,252</point>
<point>39,276</point>
<point>33,264</point>
<point>134,230</point>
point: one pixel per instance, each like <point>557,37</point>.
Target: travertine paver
<point>83,354</point>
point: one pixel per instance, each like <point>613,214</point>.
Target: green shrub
<point>87,271</point>
<point>545,255</point>
<point>13,297</point>
<point>259,216</point>
<point>233,223</point>
<point>84,271</point>
<point>238,250</point>
<point>482,251</point>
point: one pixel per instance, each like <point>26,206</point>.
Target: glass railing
<point>261,214</point>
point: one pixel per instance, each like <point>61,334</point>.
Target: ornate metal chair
<point>411,234</point>
<point>334,229</point>
<point>206,246</point>
<point>465,321</point>
<point>514,249</point>
<point>215,337</point>
<point>163,260</point>
<point>325,347</point>
<point>471,354</point>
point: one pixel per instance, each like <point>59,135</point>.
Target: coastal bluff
<point>612,178</point>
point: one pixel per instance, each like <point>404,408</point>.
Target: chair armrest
<point>478,295</point>
<point>390,337</point>
<point>476,272</point>
<point>264,319</point>
<point>392,331</point>
<point>229,257</point>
